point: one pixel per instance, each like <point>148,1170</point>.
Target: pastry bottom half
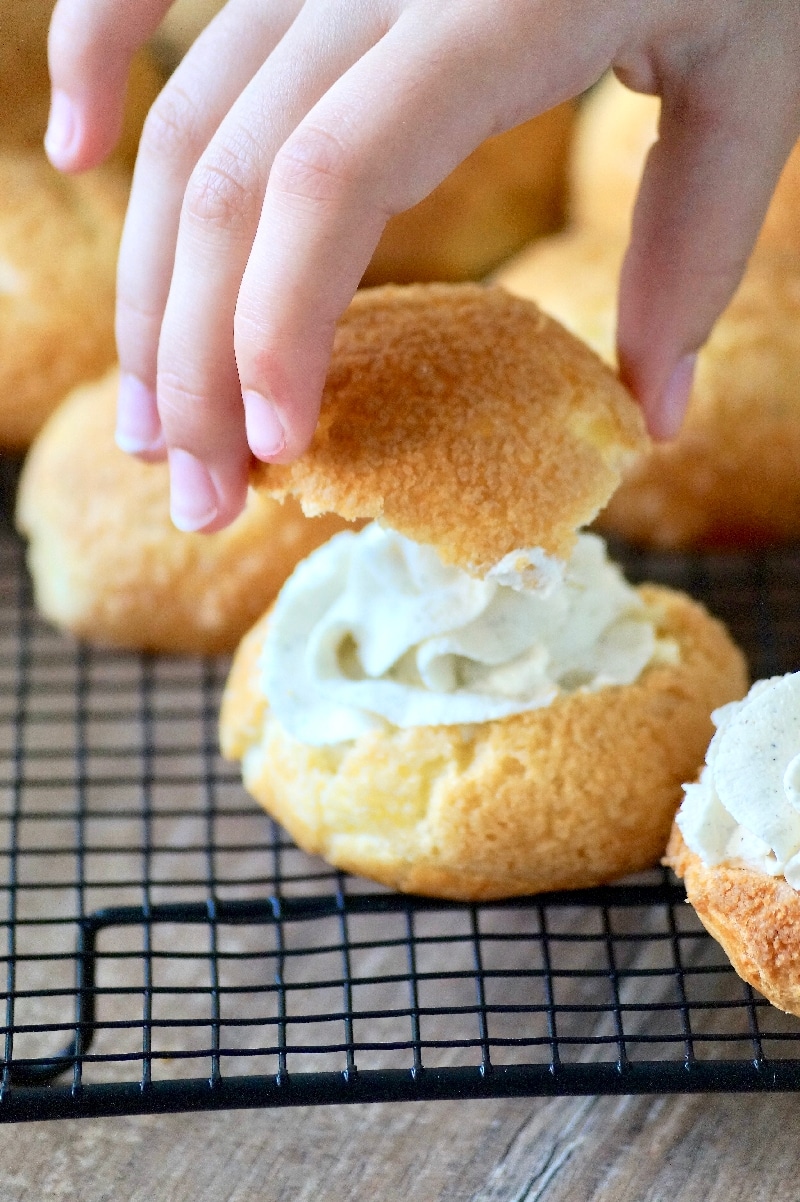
<point>755,918</point>
<point>574,794</point>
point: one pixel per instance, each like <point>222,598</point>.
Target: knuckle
<point>135,320</point>
<point>171,129</point>
<point>250,335</point>
<point>182,411</point>
<point>220,193</point>
<point>315,166</point>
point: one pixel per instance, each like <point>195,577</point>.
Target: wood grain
<point>687,1149</point>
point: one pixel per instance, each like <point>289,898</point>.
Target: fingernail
<point>193,498</point>
<point>138,424</point>
<point>265,434</point>
<point>62,129</point>
<point>675,398</point>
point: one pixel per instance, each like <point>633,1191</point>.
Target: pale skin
<point>293,130</point>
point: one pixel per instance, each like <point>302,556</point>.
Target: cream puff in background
<point>731,478</point>
<point>510,190</point>
<point>109,566</point>
<point>59,235</point>
<point>614,132</point>
<point>25,82</point>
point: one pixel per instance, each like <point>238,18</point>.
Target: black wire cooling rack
<point>168,948</point>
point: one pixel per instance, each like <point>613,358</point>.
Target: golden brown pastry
<point>570,795</point>
<point>489,411</point>
<point>447,399</point>
<point>106,561</point>
<point>510,190</point>
<point>613,134</point>
<point>59,238</point>
<point>755,917</point>
<point>732,476</point>
<point>25,82</point>
<point>736,839</point>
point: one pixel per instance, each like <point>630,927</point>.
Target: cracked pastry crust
<point>732,476</point>
<point>465,419</point>
<point>571,795</point>
<point>108,564</point>
<point>755,917</point>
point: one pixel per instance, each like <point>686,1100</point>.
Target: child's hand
<point>292,131</point>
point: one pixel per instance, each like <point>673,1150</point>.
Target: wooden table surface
<point>686,1149</point>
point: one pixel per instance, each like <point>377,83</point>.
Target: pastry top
<point>465,419</point>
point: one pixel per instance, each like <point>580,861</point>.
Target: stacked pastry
<point>732,477</point>
<point>466,698</point>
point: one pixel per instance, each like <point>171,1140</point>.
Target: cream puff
<point>59,237</point>
<point>736,838</point>
<point>467,699</point>
<point>732,476</point>
<point>507,192</point>
<point>109,566</point>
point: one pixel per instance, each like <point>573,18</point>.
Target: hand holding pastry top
<point>294,129</point>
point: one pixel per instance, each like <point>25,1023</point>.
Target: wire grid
<point>167,947</point>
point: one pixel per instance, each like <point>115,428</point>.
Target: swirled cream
<point>745,807</point>
<point>373,629</point>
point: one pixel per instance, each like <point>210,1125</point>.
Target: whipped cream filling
<point>745,808</point>
<point>374,630</point>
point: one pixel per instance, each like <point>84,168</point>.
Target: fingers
<point>349,124</point>
<point>200,400</point>
<point>90,50</point>
<point>380,140</point>
<point>704,193</point>
<point>179,128</point>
